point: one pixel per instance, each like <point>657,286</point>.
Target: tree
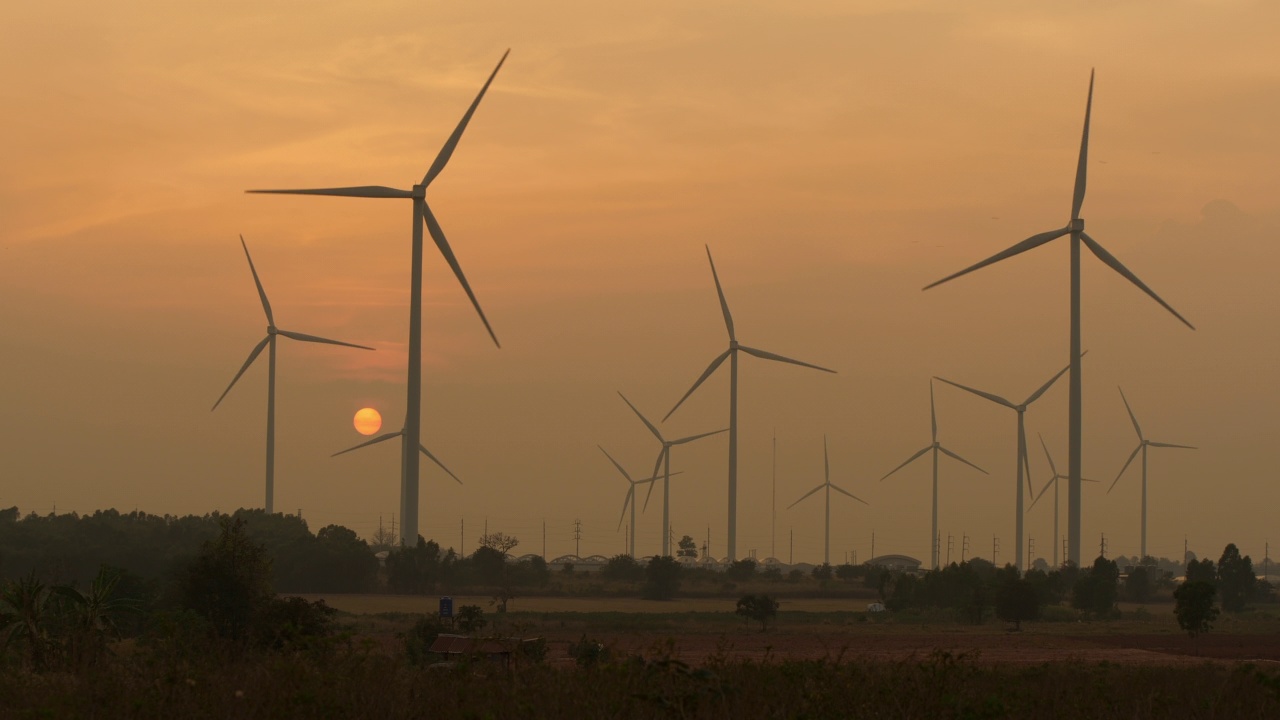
<point>662,578</point>
<point>688,548</point>
<point>91,615</point>
<point>1138,586</point>
<point>1193,604</point>
<point>501,542</point>
<point>1201,571</point>
<point>1096,590</point>
<point>822,572</point>
<point>1236,580</point>
<point>25,614</point>
<point>418,569</point>
<point>1017,600</point>
<point>623,567</point>
<point>471,618</point>
<point>758,607</point>
<point>741,570</point>
<point>229,582</point>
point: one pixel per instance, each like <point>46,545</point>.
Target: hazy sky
<point>836,157</point>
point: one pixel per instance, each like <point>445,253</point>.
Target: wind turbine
<point>1074,228</point>
<point>826,468</point>
<point>1143,444</point>
<point>664,462</point>
<point>422,214</point>
<point>936,447</point>
<point>1023,462</point>
<point>732,355</point>
<point>630,499</point>
<point>269,342</point>
<point>1054,482</point>
<point>400,433</point>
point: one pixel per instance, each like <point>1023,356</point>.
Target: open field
<point>699,630</point>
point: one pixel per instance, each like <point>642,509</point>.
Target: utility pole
<point>1266,562</point>
<point>1184,551</point>
<point>951,541</point>
<point>1064,550</point>
<point>577,538</point>
<point>1031,549</point>
<point>995,548</point>
<point>393,526</point>
<point>936,550</point>
<point>964,548</point>
<point>1102,546</point>
<point>462,536</point>
<point>773,520</point>
<point>626,537</point>
<point>873,544</point>
<point>544,539</point>
<point>791,557</point>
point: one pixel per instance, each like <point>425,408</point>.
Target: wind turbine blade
<point>1026,464</point>
<point>1132,417</point>
<point>926,449</point>
<point>253,355</point>
<point>773,356</point>
<point>826,464</point>
<point>839,489</point>
<point>643,419</point>
<point>314,339</point>
<point>1077,198</point>
<point>699,436</point>
<point>1132,455</point>
<point>443,244</point>
<point>705,374</point>
<point>993,398</point>
<point>1045,387</point>
<point>1030,243</point>
<point>1171,445</point>
<point>363,191</point>
<point>724,305</point>
<point>266,306</point>
<point>446,152</point>
<point>381,438</point>
<point>1052,480</point>
<point>657,465</point>
<point>630,497</point>
<point>954,456</point>
<point>802,497</point>
<point>1052,468</point>
<point>615,464</point>
<point>1111,261</point>
<point>933,413</point>
<point>436,460</point>
<point>1085,479</point>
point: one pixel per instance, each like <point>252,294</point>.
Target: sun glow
<point>367,421</point>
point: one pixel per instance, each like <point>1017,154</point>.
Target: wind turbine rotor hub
<point>271,330</point>
<point>733,344</point>
<point>419,192</point>
<point>1076,225</point>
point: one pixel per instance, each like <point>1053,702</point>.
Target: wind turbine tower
<point>1074,228</point>
<point>412,432</point>
<point>732,355</point>
<point>826,469</point>
<point>936,447</point>
<point>1022,461</point>
<point>269,342</point>
<point>1143,444</point>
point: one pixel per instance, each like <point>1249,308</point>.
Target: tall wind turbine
<point>421,215</point>
<point>1023,462</point>
<point>269,342</point>
<point>936,447</point>
<point>1074,228</point>
<point>400,434</point>
<point>732,355</point>
<point>664,462</point>
<point>1057,539</point>
<point>826,469</point>
<point>630,499</point>
<point>1143,444</point>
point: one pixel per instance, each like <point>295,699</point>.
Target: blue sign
<point>446,607</point>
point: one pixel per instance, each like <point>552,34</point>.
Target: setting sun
<point>367,421</point>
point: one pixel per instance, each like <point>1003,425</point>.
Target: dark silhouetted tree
<point>1236,581</point>
<point>662,578</point>
<point>687,547</point>
<point>229,582</point>
<point>761,608</point>
<point>1017,598</point>
<point>741,570</point>
<point>1193,604</point>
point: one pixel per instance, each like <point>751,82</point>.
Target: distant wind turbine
<point>269,342</point>
<point>664,462</point>
<point>1075,228</point>
<point>1022,461</point>
<point>1057,539</point>
<point>422,214</point>
<point>1143,444</point>
<point>732,355</point>
<point>936,447</point>
<point>826,469</point>
<point>630,499</point>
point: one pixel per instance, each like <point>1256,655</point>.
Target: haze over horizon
<point>835,159</point>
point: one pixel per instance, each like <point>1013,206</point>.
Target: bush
<point>757,607</point>
<point>471,618</point>
<point>588,652</point>
<point>741,570</point>
<point>662,578</point>
<point>419,638</point>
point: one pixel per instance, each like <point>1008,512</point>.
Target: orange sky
<point>835,158</point>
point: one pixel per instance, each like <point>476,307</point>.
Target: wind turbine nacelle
<point>1076,225</point>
